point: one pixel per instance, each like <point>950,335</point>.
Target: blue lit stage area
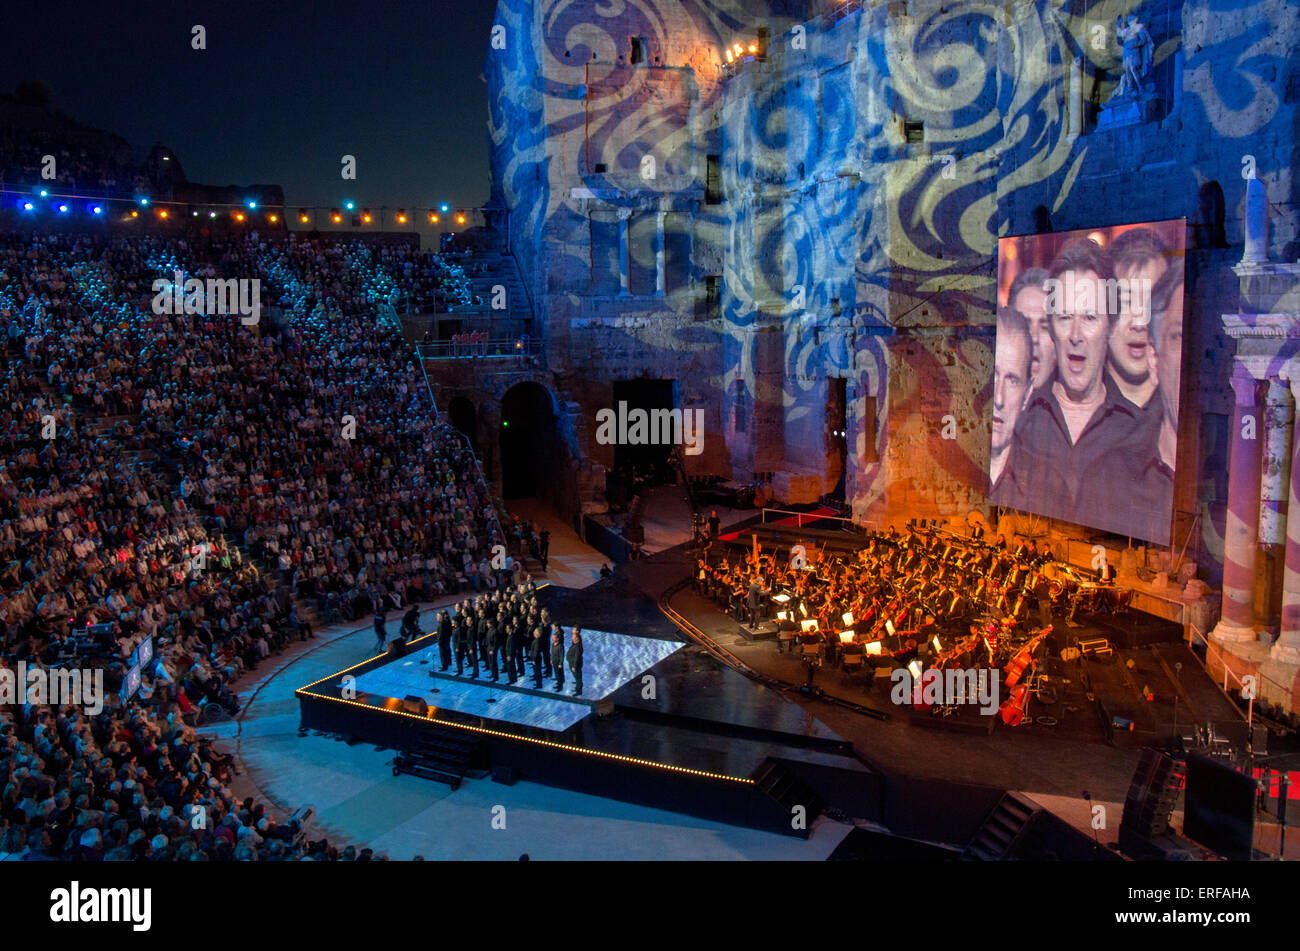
<point>611,660</point>
<point>705,741</point>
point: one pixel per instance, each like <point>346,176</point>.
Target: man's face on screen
<point>1032,303</point>
<point>1169,356</point>
<point>1010,382</point>
<point>1129,341</point>
<point>1081,330</point>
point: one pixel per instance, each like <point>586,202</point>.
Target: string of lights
<point>37,199</point>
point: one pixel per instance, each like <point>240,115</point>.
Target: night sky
<point>282,91</point>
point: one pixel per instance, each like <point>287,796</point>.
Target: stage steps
<point>1010,819</point>
<point>775,780</point>
<point>438,754</point>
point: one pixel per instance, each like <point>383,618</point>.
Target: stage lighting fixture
<point>349,205</point>
<point>401,216</point>
<point>144,201</point>
<point>239,216</point>
<point>273,218</point>
<point>335,216</point>
<point>44,193</point>
<point>460,219</point>
<point>753,47</point>
<point>444,209</point>
<point>302,215</point>
<point>96,209</point>
<point>63,209</point>
<point>212,214</point>
<point>162,212</point>
<point>365,216</point>
<point>730,57</point>
<point>27,206</point>
<point>194,213</point>
<point>135,214</point>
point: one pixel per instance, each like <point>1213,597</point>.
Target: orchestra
<point>925,595</point>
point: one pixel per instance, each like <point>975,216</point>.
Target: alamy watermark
<point>655,427</point>
<point>36,685</point>
<point>241,296</point>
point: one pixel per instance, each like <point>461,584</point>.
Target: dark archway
<point>461,413</point>
<point>1212,213</point>
<point>530,445</point>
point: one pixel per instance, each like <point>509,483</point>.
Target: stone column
<point>1076,96</point>
<point>624,265</point>
<point>1255,250</point>
<point>1240,537</point>
<point>1287,647</point>
<point>1276,478</point>
<point>659,253</point>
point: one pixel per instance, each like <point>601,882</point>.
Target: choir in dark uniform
<point>503,633</point>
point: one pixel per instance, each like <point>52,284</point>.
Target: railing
<point>1228,672</point>
<point>845,524</point>
<point>479,346</point>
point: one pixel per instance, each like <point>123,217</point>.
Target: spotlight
<point>96,209</point>
<point>212,214</point>
<point>252,206</point>
<point>144,201</point>
<point>302,215</point>
<point>44,193</point>
<point>365,216</point>
<point>194,213</point>
<point>433,218</point>
<point>63,209</point>
<point>239,216</point>
<point>401,216</point>
<point>730,57</point>
<point>335,216</point>
<point>273,218</point>
<point>162,212</point>
<point>135,214</point>
<point>348,205</point>
<point>27,206</point>
<point>460,219</point>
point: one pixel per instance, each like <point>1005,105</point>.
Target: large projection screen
<point>1087,373</point>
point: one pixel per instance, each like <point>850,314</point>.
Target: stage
<point>659,724</point>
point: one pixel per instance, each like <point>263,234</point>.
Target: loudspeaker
<point>505,775</point>
<point>1220,807</point>
<point>416,705</point>
<point>1152,794</point>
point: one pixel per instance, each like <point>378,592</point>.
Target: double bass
<point>1013,708</point>
<point>1016,666</point>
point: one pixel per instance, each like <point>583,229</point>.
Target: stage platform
<point>609,661</point>
<point>698,738</point>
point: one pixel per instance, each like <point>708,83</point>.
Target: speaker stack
<point>1152,795</point>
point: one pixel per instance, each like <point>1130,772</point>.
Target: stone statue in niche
<point>1138,50</point>
<point>1135,98</point>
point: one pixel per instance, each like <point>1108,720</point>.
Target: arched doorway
<point>530,447</point>
<point>463,416</point>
